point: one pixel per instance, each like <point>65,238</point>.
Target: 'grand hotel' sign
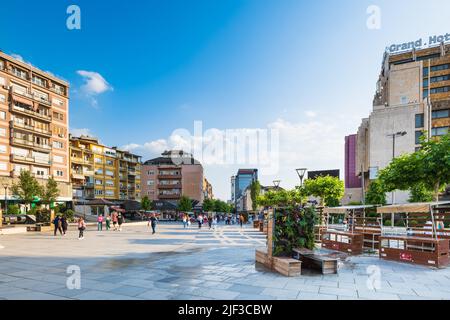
<point>418,44</point>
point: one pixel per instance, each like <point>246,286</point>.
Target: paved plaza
<point>191,264</point>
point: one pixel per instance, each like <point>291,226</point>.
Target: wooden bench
<point>325,264</point>
<point>287,266</point>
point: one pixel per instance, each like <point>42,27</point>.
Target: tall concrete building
<point>353,185</point>
<point>101,172</point>
<point>242,180</point>
<point>412,97</point>
<point>174,174</point>
<point>34,122</point>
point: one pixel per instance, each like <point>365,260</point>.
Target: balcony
<point>77,160</point>
<point>169,176</point>
<point>88,172</point>
<point>169,186</point>
<point>30,112</point>
<point>29,160</point>
<point>169,196</point>
<point>78,175</point>
<point>29,128</point>
<point>30,144</point>
<point>57,91</point>
<point>32,96</point>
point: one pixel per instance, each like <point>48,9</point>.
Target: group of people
<point>61,225</point>
<point>117,220</point>
<point>210,221</point>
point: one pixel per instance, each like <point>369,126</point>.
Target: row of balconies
<point>30,160</point>
<point>45,85</point>
<point>30,144</point>
<point>30,112</point>
<point>31,128</point>
<point>32,96</point>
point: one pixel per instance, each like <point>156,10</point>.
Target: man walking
<point>58,224</point>
<point>100,223</point>
<point>152,221</point>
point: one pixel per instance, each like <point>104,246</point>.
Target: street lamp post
<point>301,174</point>
<point>394,136</point>
<point>276,183</point>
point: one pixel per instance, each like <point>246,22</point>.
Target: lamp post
<point>276,183</point>
<point>394,136</point>
<point>301,174</point>
<point>6,186</point>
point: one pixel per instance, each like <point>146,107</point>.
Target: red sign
<point>405,256</point>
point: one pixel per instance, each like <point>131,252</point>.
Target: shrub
<point>13,209</point>
<point>387,223</point>
<point>69,215</point>
<point>42,215</point>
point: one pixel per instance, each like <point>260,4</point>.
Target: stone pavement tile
<point>372,295</point>
<point>188,297</point>
<point>280,293</point>
<point>246,289</point>
<point>415,297</point>
<point>315,296</point>
<point>99,285</point>
<point>339,291</point>
<point>436,294</point>
<point>215,284</point>
<point>253,297</point>
<point>6,278</point>
<point>303,287</point>
<point>101,295</point>
<point>268,284</point>
<point>33,295</point>
<point>322,283</point>
<point>403,290</point>
<point>129,291</point>
<point>64,292</point>
<point>138,283</point>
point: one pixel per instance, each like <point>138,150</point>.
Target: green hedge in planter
<point>294,228</point>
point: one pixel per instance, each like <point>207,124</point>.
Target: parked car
<point>133,216</point>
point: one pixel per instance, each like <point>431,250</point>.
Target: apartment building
<point>241,181</point>
<point>174,174</point>
<point>207,189</point>
<point>353,183</point>
<point>34,121</point>
<point>412,98</point>
<point>101,172</point>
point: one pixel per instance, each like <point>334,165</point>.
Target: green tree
<point>27,188</point>
<point>419,193</point>
<point>146,203</point>
<point>185,204</point>
<point>255,190</point>
<point>329,189</point>
<point>428,167</point>
<point>209,205</point>
<point>376,194</point>
<point>50,192</point>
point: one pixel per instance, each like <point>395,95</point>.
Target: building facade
<point>412,99</point>
<point>171,176</point>
<point>101,172</point>
<point>207,189</point>
<point>242,180</point>
<point>34,122</point>
<point>353,185</point>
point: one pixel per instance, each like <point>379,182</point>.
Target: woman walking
<point>152,221</point>
<point>108,222</point>
<point>120,220</point>
<point>114,219</point>
<point>81,228</point>
<point>210,220</point>
<point>184,221</point>
<point>64,225</point>
<point>100,223</point>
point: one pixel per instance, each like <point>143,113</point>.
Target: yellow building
<point>101,172</point>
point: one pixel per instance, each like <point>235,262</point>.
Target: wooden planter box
<point>415,250</point>
<point>309,259</point>
<point>287,266</point>
<point>351,243</point>
<point>262,257</point>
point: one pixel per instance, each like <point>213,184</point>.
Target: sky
<point>303,71</point>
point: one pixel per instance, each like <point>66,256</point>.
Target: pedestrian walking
<point>108,222</point>
<point>81,228</point>
<point>241,220</point>
<point>200,221</point>
<point>114,219</point>
<point>152,221</point>
<point>100,223</point>
<point>214,223</point>
<point>64,225</point>
<point>120,220</point>
<point>210,222</point>
<point>184,221</point>
<point>57,223</point>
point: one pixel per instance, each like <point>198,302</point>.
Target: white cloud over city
<point>94,85</point>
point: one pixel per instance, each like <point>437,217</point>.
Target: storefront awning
<point>411,207</point>
<point>345,209</point>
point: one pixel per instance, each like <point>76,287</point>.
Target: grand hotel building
<point>34,121</point>
<point>412,98</point>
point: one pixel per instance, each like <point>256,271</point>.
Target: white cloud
<point>310,114</point>
<point>18,57</point>
<point>314,144</point>
<point>81,132</point>
<point>94,85</point>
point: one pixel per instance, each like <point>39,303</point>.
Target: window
<point>39,81</point>
<point>19,73</point>
<point>440,90</point>
<point>109,162</point>
<point>419,120</point>
<point>98,160</point>
<point>426,72</point>
<point>151,182</point>
<point>40,95</point>
<point>110,183</point>
<point>59,173</point>
<point>58,89</point>
<point>2,65</point>
<point>3,166</point>
<point>440,78</point>
<point>2,115</point>
<point>98,192</point>
<point>2,149</point>
<point>58,159</point>
<point>425,83</point>
<point>425,93</point>
<point>58,145</point>
<point>439,131</point>
<point>2,132</point>
<point>58,116</point>
<point>109,173</point>
<point>404,100</point>
<point>151,173</point>
<point>418,136</point>
<point>2,81</point>
<point>58,102</point>
<point>2,98</point>
<point>440,67</point>
<point>441,114</point>
<point>99,171</point>
<point>98,182</point>
<point>109,193</point>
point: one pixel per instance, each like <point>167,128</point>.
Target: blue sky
<point>307,68</point>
